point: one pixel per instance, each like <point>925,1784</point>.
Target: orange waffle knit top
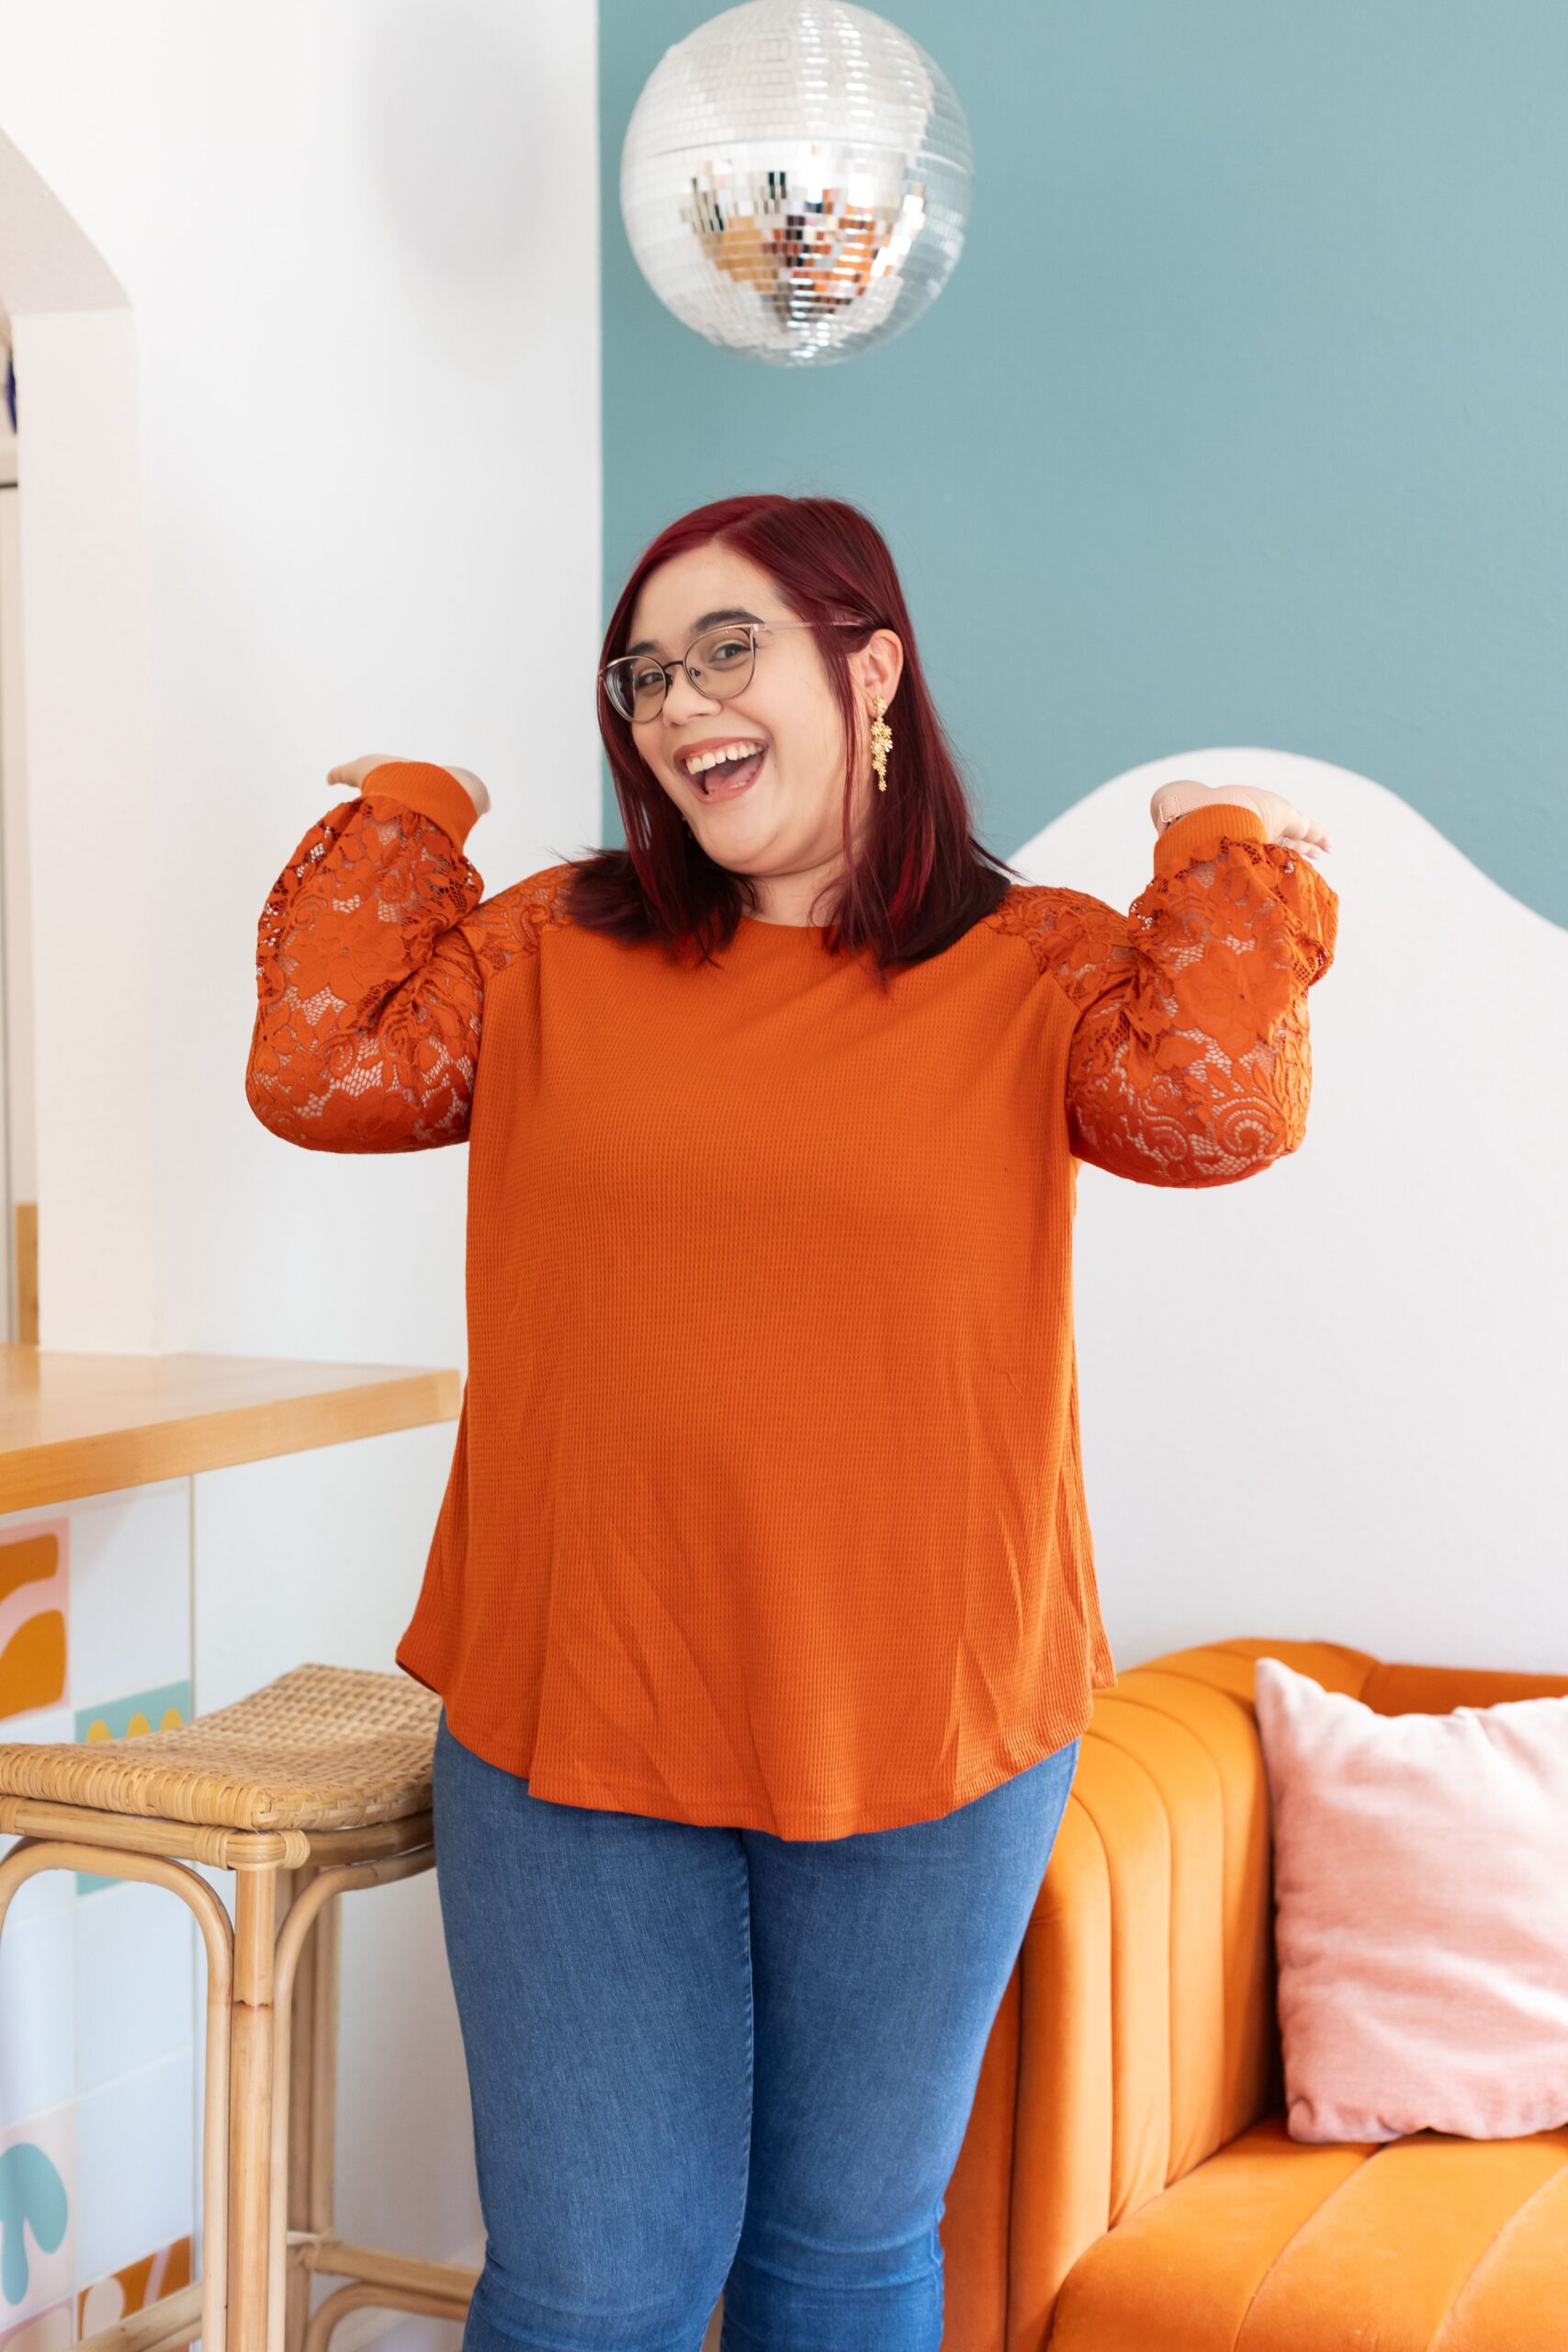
<point>766,1501</point>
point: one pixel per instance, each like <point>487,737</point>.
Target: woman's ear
<point>881,663</point>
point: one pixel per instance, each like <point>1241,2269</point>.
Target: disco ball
<point>796,180</point>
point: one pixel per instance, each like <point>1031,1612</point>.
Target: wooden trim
<point>77,1424</point>
<point>24,1259</point>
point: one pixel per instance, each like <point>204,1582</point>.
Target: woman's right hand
<point>352,773</point>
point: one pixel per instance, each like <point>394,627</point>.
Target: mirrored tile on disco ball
<point>796,180</point>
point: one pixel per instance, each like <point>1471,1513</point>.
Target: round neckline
<point>761,922</point>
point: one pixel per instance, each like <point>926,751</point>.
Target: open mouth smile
<point>731,770</point>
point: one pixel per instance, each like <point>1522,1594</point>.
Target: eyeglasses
<point>719,664</point>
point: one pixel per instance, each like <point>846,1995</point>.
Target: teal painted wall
<point>1241,419</point>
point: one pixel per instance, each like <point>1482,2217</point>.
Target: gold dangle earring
<point>881,744</point>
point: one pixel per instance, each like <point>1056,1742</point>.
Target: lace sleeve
<point>1188,1062</point>
<point>372,956</point>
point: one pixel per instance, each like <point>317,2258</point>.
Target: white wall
<point>360,238</point>
<point>361,241</point>
<point>1327,1402</point>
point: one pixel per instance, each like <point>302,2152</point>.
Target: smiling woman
<point>779,623</point>
<point>719,664</point>
<point>876,1581</point>
<point>766,1517</point>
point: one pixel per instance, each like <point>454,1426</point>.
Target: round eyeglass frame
<point>611,674</point>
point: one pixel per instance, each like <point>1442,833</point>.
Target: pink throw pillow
<point>1421,1913</point>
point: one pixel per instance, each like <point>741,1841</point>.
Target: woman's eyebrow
<point>703,620</point>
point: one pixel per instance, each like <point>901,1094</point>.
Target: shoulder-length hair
<point>919,878</point>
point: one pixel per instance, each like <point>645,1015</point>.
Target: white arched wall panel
<point>1329,1400</point>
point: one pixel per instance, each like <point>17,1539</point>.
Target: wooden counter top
<point>74,1425</point>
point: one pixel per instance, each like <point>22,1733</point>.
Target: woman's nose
<point>682,699</point>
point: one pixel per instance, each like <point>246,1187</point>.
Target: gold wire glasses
<point>719,664</point>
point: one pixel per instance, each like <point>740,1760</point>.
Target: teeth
<point>713,759</point>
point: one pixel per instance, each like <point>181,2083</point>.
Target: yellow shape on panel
<point>32,1619</point>
<point>170,1720</point>
<point>32,1664</point>
<point>142,2283</point>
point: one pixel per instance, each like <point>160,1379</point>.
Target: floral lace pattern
<point>1189,1061</point>
<point>372,956</point>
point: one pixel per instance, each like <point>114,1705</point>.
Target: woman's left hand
<point>1282,821</point>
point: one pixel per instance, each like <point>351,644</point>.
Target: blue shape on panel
<point>126,1718</point>
<point>32,2196</point>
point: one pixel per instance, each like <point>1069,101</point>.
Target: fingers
<point>1283,822</point>
<point>350,774</point>
<point>1301,833</point>
<point>1175,799</point>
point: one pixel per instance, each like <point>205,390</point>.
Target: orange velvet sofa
<point>1126,2182</point>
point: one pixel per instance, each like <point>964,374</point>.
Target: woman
<point>762,1599</point>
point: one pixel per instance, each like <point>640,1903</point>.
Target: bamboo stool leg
<point>310,1936</point>
<point>352,2298</point>
<point>302,2034</point>
<point>321,2172</point>
<point>201,2308</point>
<point>251,2028</point>
<point>313,2100</point>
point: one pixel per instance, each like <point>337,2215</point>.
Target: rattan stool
<point>315,1783</point>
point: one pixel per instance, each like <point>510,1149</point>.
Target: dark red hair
<point>921,879</point>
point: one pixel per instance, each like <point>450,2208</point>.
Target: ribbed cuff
<point>1199,833</point>
<point>433,791</point>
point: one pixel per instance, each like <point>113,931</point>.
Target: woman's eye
<point>729,649</point>
<point>646,678</point>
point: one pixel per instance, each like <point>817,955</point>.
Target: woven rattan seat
<point>322,1748</point>
<point>316,1785</point>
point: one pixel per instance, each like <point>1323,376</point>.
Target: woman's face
<point>786,823</point>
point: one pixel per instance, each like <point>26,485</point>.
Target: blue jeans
<point>705,2059</point>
